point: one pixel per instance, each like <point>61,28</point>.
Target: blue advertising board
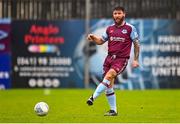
<point>5,60</point>
<point>159,56</point>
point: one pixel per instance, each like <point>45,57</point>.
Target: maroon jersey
<point>120,39</point>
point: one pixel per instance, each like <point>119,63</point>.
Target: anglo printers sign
<point>42,54</point>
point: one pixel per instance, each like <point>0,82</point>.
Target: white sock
<point>101,88</point>
<point>111,99</point>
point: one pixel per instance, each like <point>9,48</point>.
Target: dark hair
<point>119,8</point>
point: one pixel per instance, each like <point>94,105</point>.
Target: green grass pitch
<point>69,105</point>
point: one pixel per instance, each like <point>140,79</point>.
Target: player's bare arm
<point>136,54</point>
<point>96,39</point>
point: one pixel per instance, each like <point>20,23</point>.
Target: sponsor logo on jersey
<point>117,39</point>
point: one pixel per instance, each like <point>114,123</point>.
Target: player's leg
<point>106,83</point>
<point>111,97</point>
<point>118,65</point>
<point>100,87</point>
<point>109,77</point>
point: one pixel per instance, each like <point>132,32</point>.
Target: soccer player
<point>120,37</point>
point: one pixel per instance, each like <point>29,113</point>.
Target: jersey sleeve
<point>105,36</point>
<point>134,34</point>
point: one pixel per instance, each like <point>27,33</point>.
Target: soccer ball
<point>41,108</point>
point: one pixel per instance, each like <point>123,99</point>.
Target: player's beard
<point>119,21</point>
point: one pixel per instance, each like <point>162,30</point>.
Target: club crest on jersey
<point>124,31</point>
